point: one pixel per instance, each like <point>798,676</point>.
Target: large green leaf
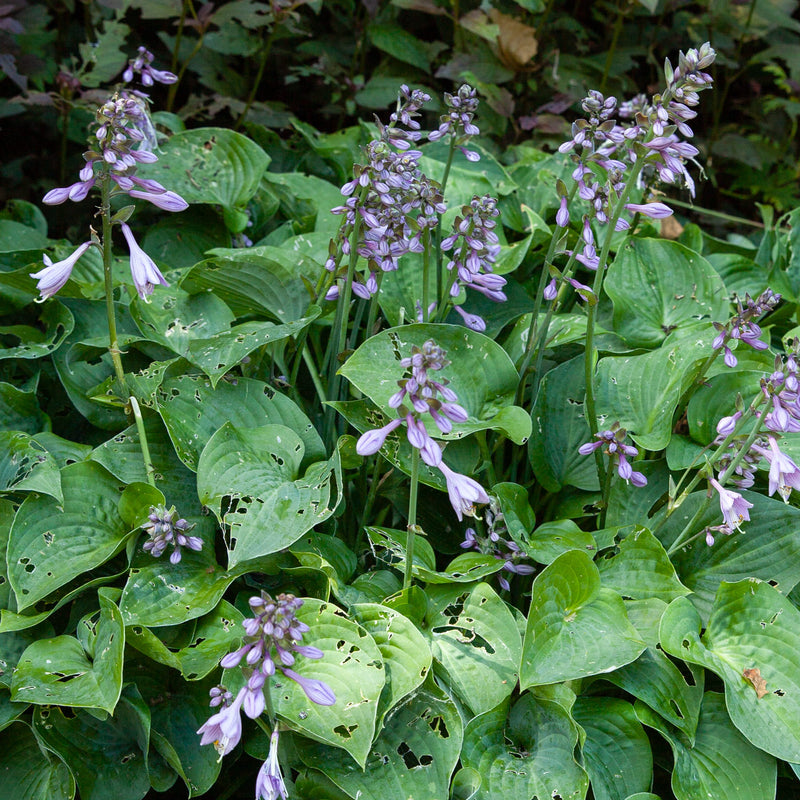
<point>20,411</point>
<point>575,628</point>
<point>768,548</point>
<point>406,655</point>
<point>31,772</point>
<point>648,283</point>
<point>616,751</point>
<point>476,643</point>
<point>193,411</point>
<point>400,44</point>
<point>57,322</point>
<point>641,568</point>
<point>27,466</point>
<point>51,543</point>
<point>529,752</point>
<point>352,667</point>
<point>480,373</point>
<point>251,478</point>
<point>210,165</point>
<point>107,757</point>
<point>560,428</point>
<point>752,627</point>
<point>642,392</point>
<point>720,763</point>
<point>257,280</point>
<point>413,756</point>
<point>61,672</point>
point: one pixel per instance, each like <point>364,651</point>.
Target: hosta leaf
<point>616,751</point>
<point>30,771</point>
<point>480,373</point>
<point>210,165</point>
<point>528,752</point>
<point>720,762</point>
<point>648,284</point>
<point>476,642</point>
<point>641,568</point>
<point>55,318</point>
<point>641,392</point>
<point>51,543</point>
<point>60,672</point>
<point>406,655</point>
<point>269,504</point>
<point>754,629</point>
<point>413,756</point>
<point>352,667</point>
<point>193,412</point>
<point>551,539</point>
<point>575,628</point>
<point>26,466</point>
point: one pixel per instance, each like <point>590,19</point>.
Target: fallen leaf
<point>671,228</point>
<point>516,41</point>
<point>759,684</point>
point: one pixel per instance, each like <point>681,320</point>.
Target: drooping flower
<point>463,491</point>
<point>144,271</point>
<point>269,784</point>
<point>224,728</point>
<point>732,504</point>
<point>54,276</point>
<point>142,66</point>
<point>784,474</point>
<point>317,691</point>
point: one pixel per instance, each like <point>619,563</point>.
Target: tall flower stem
<point>259,75</point>
<point>438,237</point>
<point>412,518</point>
<point>426,263</point>
<point>590,355</point>
<point>374,306</point>
<point>113,341</point>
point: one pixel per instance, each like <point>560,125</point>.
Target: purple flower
<point>143,269</point>
<point>370,442</point>
<point>54,276</point>
<point>551,290</point>
<point>464,492</point>
<point>269,784</point>
<point>224,728</point>
<point>652,210</point>
<point>164,530</point>
<point>784,474</point>
<point>732,504</point>
<point>727,425</point>
<point>562,215</point>
<point>317,691</point>
<point>166,201</point>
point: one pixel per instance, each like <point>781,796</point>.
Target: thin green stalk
<point>374,306</point>
<point>613,46</point>
<point>315,379</point>
<point>259,75</point>
<point>426,264</point>
<point>604,499</point>
<point>412,518</point>
<point>483,445</point>
<point>370,502</point>
<point>173,89</point>
<point>437,239</point>
<point>145,448</point>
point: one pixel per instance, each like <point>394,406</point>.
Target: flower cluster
<point>122,125</point>
<point>142,66</point>
<point>742,326</point>
<point>458,120</point>
<point>428,396</point>
<point>165,531</point>
<point>506,550</point>
<point>272,641</point>
<point>475,247</point>
<point>613,440</point>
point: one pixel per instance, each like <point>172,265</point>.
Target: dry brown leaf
<point>753,675</point>
<point>516,42</point>
<point>671,228</point>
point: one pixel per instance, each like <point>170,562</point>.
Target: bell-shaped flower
<point>464,492</point>
<point>269,783</point>
<point>143,269</point>
<point>732,504</point>
<point>166,201</point>
<point>224,728</point>
<point>54,276</point>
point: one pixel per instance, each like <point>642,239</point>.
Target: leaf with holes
<point>57,321</point>
<point>251,479</point>
<point>525,753</point>
<point>480,373</point>
<point>107,757</point>
<point>352,667</point>
<point>641,568</point>
<point>616,752</point>
<point>30,771</point>
<point>193,411</point>
<point>52,543</point>
<point>720,762</point>
<point>413,756</point>
<point>26,466</point>
<point>751,626</point>
<point>59,671</point>
<point>476,641</point>
<point>406,655</point>
<point>575,628</point>
<point>209,165</point>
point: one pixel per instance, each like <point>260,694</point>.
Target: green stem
<point>173,89</point>
<point>612,47</point>
<point>259,75</point>
<point>148,462</point>
<point>426,264</point>
<point>438,236</point>
<point>371,495</point>
<point>374,306</point>
<point>315,379</point>
<point>412,518</point>
<point>483,445</point>
<point>606,495</point>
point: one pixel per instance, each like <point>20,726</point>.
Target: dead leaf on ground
<point>516,41</point>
